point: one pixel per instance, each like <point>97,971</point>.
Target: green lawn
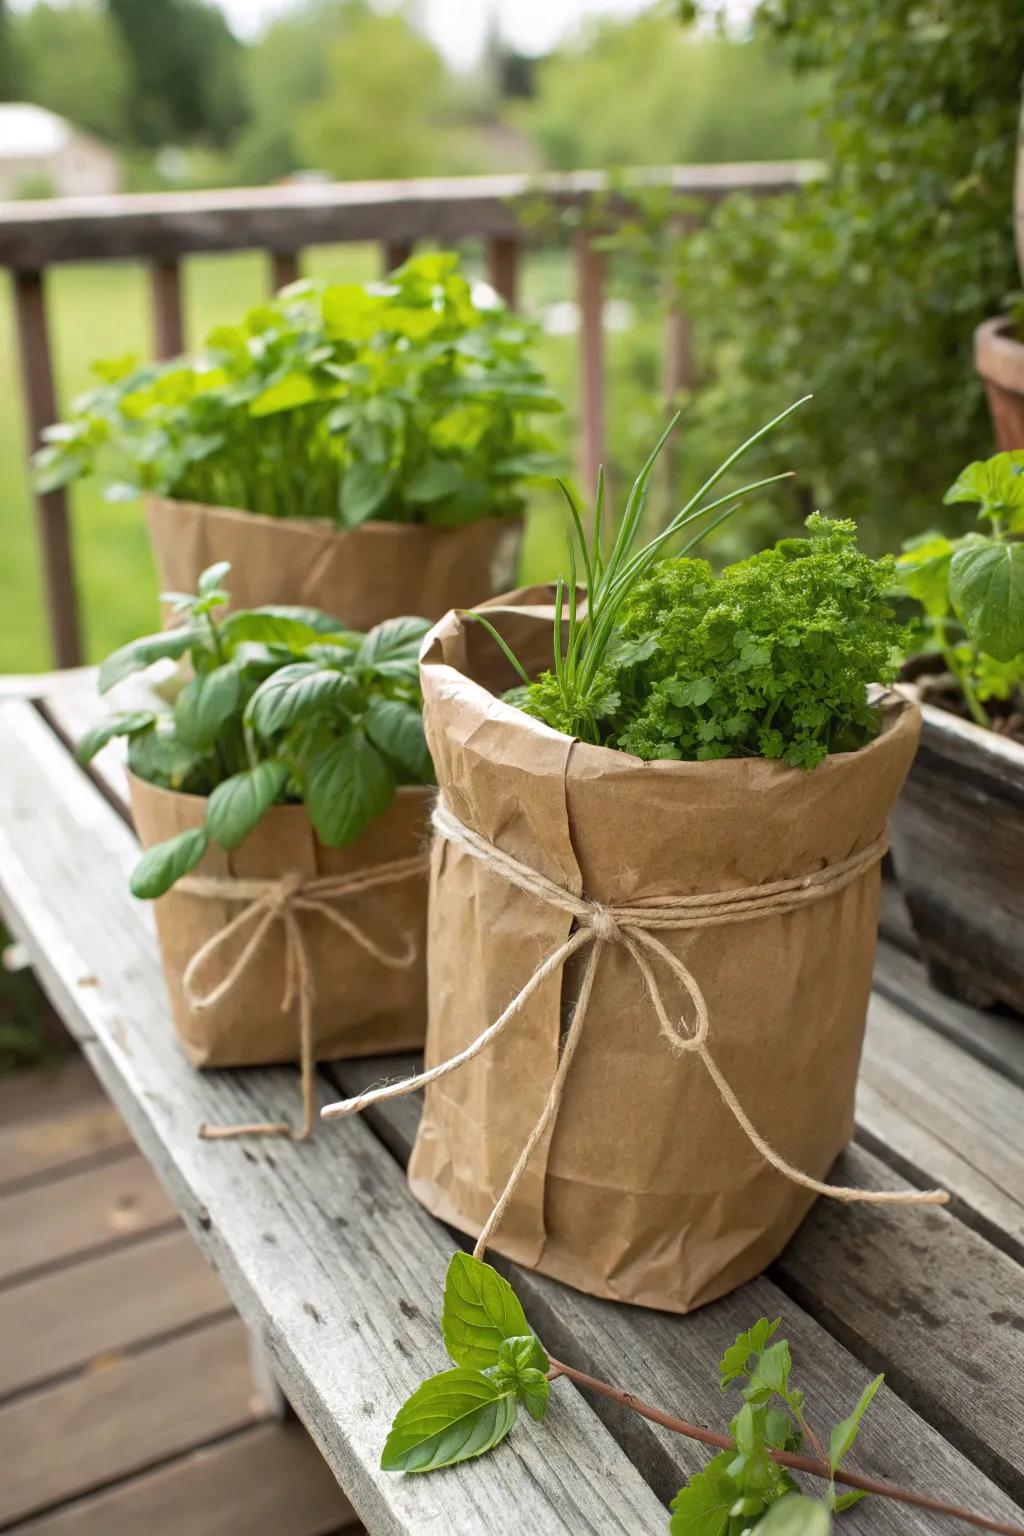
<point>103,311</point>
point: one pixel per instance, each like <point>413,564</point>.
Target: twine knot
<point>634,927</point>
<point>283,901</point>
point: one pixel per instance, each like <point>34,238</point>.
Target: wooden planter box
<point>958,849</point>
<point>999,359</point>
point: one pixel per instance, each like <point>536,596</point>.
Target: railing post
<point>503,267</point>
<point>590,263</point>
<point>165,291</point>
<point>393,253</point>
<point>51,509</point>
<point>284,269</point>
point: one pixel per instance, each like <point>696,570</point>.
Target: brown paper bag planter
<point>648,985</point>
<point>286,949</point>
<point>360,575</point>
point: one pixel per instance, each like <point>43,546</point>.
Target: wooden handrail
<point>162,228</point>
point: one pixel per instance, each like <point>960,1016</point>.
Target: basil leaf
<point>271,628</point>
<point>435,479</point>
<point>205,704</point>
<point>118,725</point>
<point>295,693</point>
<point>138,654</point>
<point>452,1417</point>
<point>160,758</point>
<point>347,787</point>
<point>237,805</point>
<point>397,729</point>
<point>840,1441</point>
<point>364,489</point>
<point>986,583</point>
<point>393,648</point>
<point>210,579</point>
<point>165,863</point>
<point>533,1390</point>
<point>481,1311</point>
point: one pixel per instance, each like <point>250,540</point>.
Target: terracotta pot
<point>958,851</point>
<point>999,359</point>
<point>359,575</point>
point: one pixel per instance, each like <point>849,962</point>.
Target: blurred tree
<point>286,70</point>
<point>71,60</point>
<point>866,287</point>
<point>9,71</point>
<point>385,97</point>
<point>186,71</point>
<point>644,91</point>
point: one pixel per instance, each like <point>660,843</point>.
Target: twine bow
<point>285,901</point>
<point>633,927</point>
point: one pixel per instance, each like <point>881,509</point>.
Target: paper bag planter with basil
<point>283,808</point>
<point>641,1080</point>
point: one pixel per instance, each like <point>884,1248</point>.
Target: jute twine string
<point>633,926</point>
<point>286,901</point>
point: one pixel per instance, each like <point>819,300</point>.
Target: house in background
<point>43,155</point>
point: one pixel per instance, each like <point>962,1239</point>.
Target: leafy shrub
<point>282,708</point>
<point>401,401</point>
<point>972,588</point>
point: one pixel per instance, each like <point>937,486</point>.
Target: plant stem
<point>785,1458</point>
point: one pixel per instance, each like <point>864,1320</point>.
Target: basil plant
<point>283,707</point>
<point>398,401</point>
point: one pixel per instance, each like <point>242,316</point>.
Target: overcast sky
<point>458,27</point>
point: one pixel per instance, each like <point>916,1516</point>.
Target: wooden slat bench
<point>338,1271</point>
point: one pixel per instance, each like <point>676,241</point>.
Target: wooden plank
<point>590,263</point>
<point>167,224</point>
<point>917,1294</point>
<point>671,1361</point>
<point>941,1116</point>
<point>114,1421</point>
<point>58,1322</point>
<point>51,508</point>
<point>284,269</point>
<point>393,254</point>
<point>503,268</point>
<point>83,1213</point>
<point>165,292</point>
<point>320,1245</point>
<point>34,1149</point>
<point>995,1038</point>
<point>37,1093</point>
<point>266,1481</point>
<point>74,712</point>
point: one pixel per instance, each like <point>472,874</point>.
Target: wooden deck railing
<point>162,229</point>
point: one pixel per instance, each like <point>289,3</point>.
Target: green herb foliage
<point>771,658</point>
<point>283,707</point>
<point>972,588</point>
<point>401,401</point>
<point>499,1364</point>
<point>744,1490</point>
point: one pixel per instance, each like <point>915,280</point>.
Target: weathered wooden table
<point>339,1272</point>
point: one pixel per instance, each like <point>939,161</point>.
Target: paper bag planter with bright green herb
<point>639,1084</point>
<point>363,449</point>
<point>283,809</point>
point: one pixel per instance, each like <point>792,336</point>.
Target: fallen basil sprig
<point>284,706</point>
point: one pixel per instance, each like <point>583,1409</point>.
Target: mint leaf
<point>297,692</point>
<point>734,1362</point>
<point>118,725</point>
<point>842,1437</point>
<point>452,1417</point>
<point>139,654</point>
<point>796,1515</point>
<point>165,863</point>
<point>481,1312</point>
<point>397,729</point>
<point>239,803</point>
<point>348,785</point>
<point>205,704</point>
<point>703,1507</point>
<point>986,583</point>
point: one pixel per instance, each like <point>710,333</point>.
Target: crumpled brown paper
<point>645,1190</point>
<point>362,1008</point>
<point>359,575</point>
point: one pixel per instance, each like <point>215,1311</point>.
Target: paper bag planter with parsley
<point>653,904</point>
